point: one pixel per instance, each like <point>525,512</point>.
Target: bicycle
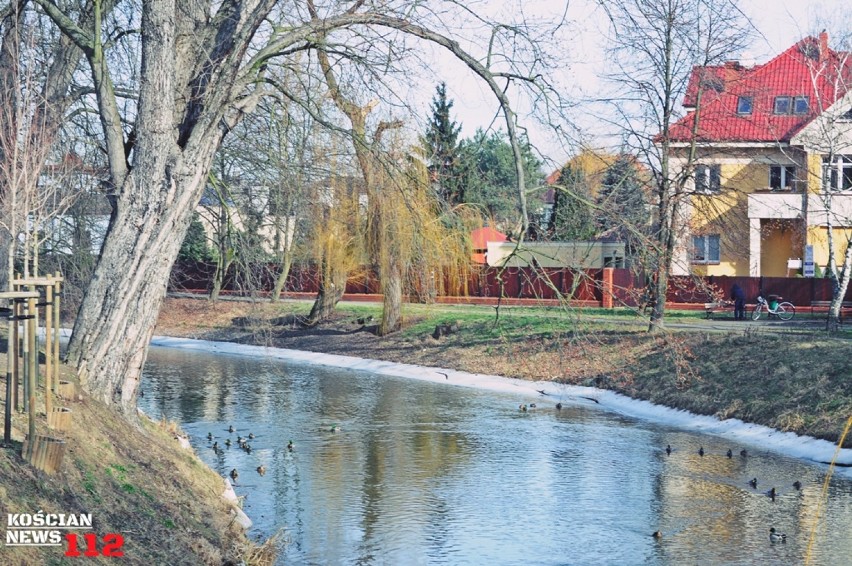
<point>783,310</point>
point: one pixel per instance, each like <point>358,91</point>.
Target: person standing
<point>738,296</point>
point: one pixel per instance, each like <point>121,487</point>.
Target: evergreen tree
<point>441,142</point>
<point>621,203</point>
<point>486,167</point>
<point>572,218</point>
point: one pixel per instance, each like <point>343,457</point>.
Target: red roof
<point>808,68</point>
<point>481,236</point>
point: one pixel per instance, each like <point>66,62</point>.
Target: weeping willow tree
<point>416,249</point>
<point>337,242</point>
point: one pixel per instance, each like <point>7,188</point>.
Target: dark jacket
<point>737,293</point>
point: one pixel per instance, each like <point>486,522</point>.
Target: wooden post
<point>16,354</point>
<point>32,371</point>
<point>48,348</point>
<point>57,323</point>
<point>10,365</point>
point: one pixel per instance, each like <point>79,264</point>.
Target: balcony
<point>785,205</point>
<point>775,205</point>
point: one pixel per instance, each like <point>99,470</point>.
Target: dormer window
<point>801,105</point>
<point>783,104</point>
<point>744,105</point>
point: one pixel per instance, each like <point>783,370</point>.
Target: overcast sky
<point>778,23</point>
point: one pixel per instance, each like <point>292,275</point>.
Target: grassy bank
<point>792,378</point>
<point>135,480</point>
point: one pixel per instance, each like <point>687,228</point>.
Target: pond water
<point>429,473</point>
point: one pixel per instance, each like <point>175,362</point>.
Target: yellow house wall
<point>818,238</point>
<point>776,249</point>
<point>726,214</point>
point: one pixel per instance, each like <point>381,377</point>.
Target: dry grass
<point>135,479</point>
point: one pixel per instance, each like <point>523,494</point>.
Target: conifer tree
<point>441,142</point>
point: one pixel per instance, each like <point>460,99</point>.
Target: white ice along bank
<point>763,437</point>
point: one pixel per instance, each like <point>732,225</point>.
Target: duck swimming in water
<point>753,483</point>
<point>701,451</point>
<point>668,449</point>
<point>261,469</point>
<point>559,406</point>
<point>797,485</point>
<point>743,453</point>
<point>772,493</point>
<point>291,446</point>
<point>251,436</point>
<point>228,442</point>
<point>234,474</point>
<point>209,436</point>
<point>657,534</point>
<point>729,454</point>
<point>231,428</point>
<point>776,536</point>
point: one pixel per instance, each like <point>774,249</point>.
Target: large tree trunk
<point>153,212</point>
<point>331,288</point>
<point>392,298</point>
<point>127,290</point>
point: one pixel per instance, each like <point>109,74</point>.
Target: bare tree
<point>829,136</point>
<point>203,66</point>
<point>655,45</point>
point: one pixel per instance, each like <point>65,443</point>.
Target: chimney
<point>733,71</point>
<point>823,45</point>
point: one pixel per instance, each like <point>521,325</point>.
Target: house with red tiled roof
<point>773,162</point>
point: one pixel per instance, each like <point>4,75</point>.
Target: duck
<point>234,474</point>
<point>797,485</point>
<point>228,442</point>
<point>559,406</point>
<point>522,408</point>
<point>247,448</point>
<point>231,428</point>
<point>209,436</point>
<point>215,446</point>
<point>261,469</point>
<point>753,483</point>
<point>657,534</point>
<point>772,493</point>
<point>776,536</point>
<point>291,446</point>
<point>532,405</point>
<point>251,436</point>
<point>701,451</point>
<point>729,454</point>
<point>743,453</point>
<point>334,428</point>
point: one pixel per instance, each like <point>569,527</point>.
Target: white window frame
<point>708,178</point>
<point>706,243</point>
<point>833,176</point>
<point>786,175</point>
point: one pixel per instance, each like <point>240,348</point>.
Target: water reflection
<point>422,473</point>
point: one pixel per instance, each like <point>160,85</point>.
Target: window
<point>744,105</point>
<point>708,178</point>
<point>837,173</point>
<point>782,177</point>
<point>801,104</point>
<point>705,249</point>
<point>783,104</point>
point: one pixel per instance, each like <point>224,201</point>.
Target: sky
<point>778,24</point>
